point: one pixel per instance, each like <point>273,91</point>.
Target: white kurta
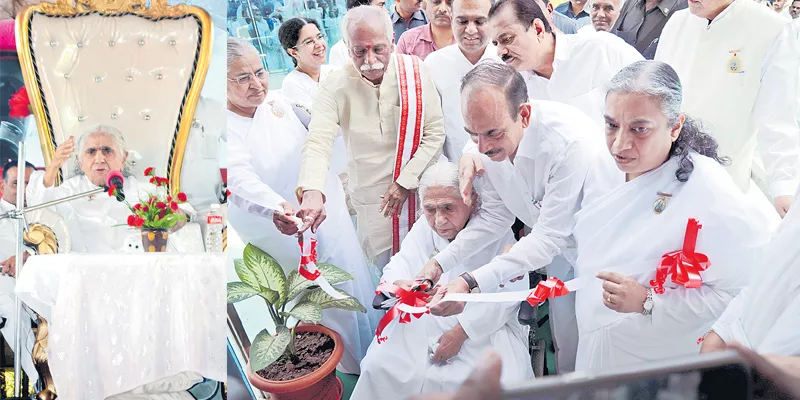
<point>739,74</point>
<point>583,66</point>
<point>339,55</point>
<point>543,188</point>
<point>401,367</point>
<point>619,231</point>
<point>766,315</point>
<point>447,67</point>
<point>97,224</point>
<point>264,166</point>
<point>8,248</point>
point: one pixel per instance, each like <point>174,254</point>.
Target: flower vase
<point>154,240</point>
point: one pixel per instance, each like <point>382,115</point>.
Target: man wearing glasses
<point>390,115</point>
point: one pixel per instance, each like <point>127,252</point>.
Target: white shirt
<point>339,55</point>
<point>542,188</point>
<point>586,30</point>
<point>447,67</point>
<point>756,104</point>
<point>583,66</point>
<point>299,89</point>
<point>8,232</point>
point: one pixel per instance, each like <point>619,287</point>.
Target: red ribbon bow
<point>412,298</point>
<point>550,288</point>
<point>305,260</point>
<point>684,265</point>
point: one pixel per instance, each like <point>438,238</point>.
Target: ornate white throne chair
<point>136,65</point>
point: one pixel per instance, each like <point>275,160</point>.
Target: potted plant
<point>156,215</point>
<point>298,359</point>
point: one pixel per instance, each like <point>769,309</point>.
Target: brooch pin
<point>661,204</point>
<point>735,63</point>
<point>277,110</point>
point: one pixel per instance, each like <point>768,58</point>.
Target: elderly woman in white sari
<point>670,173</point>
<point>265,139</point>
<point>97,223</point>
<point>435,354</point>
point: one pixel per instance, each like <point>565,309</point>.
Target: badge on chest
<point>735,62</point>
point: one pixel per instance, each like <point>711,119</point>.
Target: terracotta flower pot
<point>154,240</point>
<point>322,384</point>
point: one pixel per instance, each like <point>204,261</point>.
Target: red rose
<point>182,197</point>
<point>137,207</point>
<point>148,171</point>
<point>145,209</point>
<point>174,206</point>
<point>161,205</point>
<point>19,104</point>
<point>153,180</point>
<point>131,220</point>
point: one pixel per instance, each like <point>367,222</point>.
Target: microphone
<point>115,179</point>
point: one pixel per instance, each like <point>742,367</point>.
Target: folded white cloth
<point>170,388</point>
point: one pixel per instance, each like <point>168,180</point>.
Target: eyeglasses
<point>311,41</point>
<point>360,52</point>
<point>246,79</point>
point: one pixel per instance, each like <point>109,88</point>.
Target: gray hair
<point>366,15</point>
<point>238,48</point>
<point>660,81</point>
<point>442,174</point>
<point>499,75</point>
<point>116,137</point>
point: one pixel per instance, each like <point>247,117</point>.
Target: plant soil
<point>313,349</point>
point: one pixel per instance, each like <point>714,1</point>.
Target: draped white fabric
<point>117,323</point>
<point>620,229</point>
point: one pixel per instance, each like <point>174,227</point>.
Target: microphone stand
<point>22,226</point>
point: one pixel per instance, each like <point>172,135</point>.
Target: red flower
<point>19,104</point>
<point>169,198</point>
<point>163,181</point>
<point>139,221</point>
<point>131,220</point>
<point>137,207</point>
<point>145,209</point>
<point>162,214</point>
<point>148,172</point>
<point>112,191</point>
<point>153,179</point>
<point>174,206</point>
<point>182,197</point>
<point>161,205</point>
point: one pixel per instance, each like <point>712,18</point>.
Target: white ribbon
<point>312,267</point>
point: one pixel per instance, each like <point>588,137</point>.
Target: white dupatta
<point>620,231</point>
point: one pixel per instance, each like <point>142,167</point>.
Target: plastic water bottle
<point>214,230</point>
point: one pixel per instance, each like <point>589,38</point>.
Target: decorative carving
<point>39,356</point>
<point>41,238</point>
<point>158,8</point>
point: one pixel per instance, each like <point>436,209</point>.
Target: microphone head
<point>114,175</point>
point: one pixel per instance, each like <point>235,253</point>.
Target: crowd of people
<point>620,136</point>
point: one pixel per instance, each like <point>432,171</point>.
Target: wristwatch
<point>648,303</point>
<point>472,284</point>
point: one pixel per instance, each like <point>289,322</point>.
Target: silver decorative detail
<point>79,44</point>
<point>111,43</point>
<point>141,42</point>
<point>53,43</point>
<point>98,79</point>
<point>159,76</point>
<point>195,124</point>
<point>113,116</point>
<point>128,78</point>
<point>66,76</point>
<point>81,118</point>
<point>147,118</point>
<point>172,42</point>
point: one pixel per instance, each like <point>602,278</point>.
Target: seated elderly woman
<point>97,223</point>
<point>437,353</point>
<point>670,172</point>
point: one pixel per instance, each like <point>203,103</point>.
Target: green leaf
<point>307,311</point>
<point>238,291</point>
<point>245,274</point>
<point>267,348</point>
<point>267,271</point>
<point>334,275</point>
<point>326,301</point>
<point>269,295</point>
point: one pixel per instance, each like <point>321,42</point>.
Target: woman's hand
<point>285,225</point>
<point>622,294</point>
<point>63,153</point>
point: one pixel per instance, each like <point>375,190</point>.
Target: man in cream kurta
<point>365,105</point>
<point>448,65</point>
<point>569,69</point>
<point>739,73</point>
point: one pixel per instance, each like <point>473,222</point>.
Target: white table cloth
<point>120,322</point>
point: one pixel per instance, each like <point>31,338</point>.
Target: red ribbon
<point>550,288</point>
<point>684,265</point>
<point>412,298</point>
<point>305,260</point>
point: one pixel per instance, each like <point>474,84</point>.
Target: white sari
<point>619,230</point>
<point>400,367</point>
